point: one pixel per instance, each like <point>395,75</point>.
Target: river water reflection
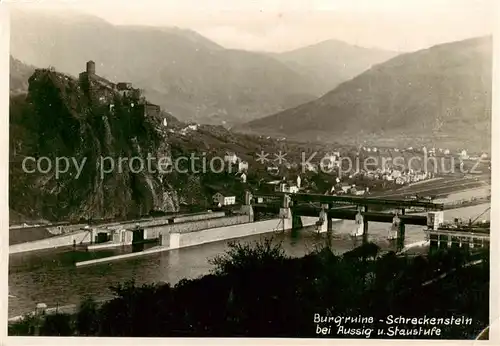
<point>50,276</point>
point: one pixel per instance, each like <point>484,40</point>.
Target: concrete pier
<point>285,215</point>
<point>247,208</point>
<point>359,225</point>
<point>325,223</point>
<point>365,221</point>
<point>394,230</point>
<point>286,218</point>
<point>322,224</point>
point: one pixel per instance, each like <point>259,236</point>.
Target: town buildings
<point>242,166</point>
<point>286,187</point>
<point>221,199</point>
<point>243,177</point>
<point>231,158</point>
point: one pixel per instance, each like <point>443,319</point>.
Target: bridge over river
<point>360,209</point>
<point>346,207</point>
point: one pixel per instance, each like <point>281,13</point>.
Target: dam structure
<point>103,235</point>
<point>176,235</point>
<point>287,212</point>
<point>290,216</point>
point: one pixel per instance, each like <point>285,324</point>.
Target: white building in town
<point>243,177</point>
<point>273,169</point>
<point>309,167</point>
<point>284,187</point>
<point>329,162</point>
<point>222,200</point>
<point>230,158</point>
<point>345,188</point>
<point>400,180</point>
<point>242,166</point>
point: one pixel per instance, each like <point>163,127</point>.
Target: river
<point>50,276</point>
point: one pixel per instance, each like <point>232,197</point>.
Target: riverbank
<point>253,292</point>
<point>412,249</point>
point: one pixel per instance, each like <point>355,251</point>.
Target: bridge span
<point>398,212</point>
<point>355,200</point>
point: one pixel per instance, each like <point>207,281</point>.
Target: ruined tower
<point>90,67</point>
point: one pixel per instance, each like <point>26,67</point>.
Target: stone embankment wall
<point>163,220</point>
<point>193,226</point>
<point>36,235</point>
<point>63,229</point>
<point>27,234</point>
<point>52,242</point>
<point>141,222</point>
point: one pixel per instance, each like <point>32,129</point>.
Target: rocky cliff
<point>60,122</point>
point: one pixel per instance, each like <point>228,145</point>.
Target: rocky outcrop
<point>102,150</point>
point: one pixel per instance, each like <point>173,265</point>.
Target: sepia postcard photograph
<point>249,169</point>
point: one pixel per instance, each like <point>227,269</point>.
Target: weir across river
<point>361,209</point>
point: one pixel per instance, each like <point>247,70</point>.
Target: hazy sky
<point>283,25</point>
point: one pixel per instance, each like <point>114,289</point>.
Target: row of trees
<point>255,290</point>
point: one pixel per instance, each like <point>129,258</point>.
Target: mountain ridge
<point>442,92</point>
<point>332,62</point>
<point>189,75</point>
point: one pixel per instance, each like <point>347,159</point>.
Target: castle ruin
<point>90,81</point>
